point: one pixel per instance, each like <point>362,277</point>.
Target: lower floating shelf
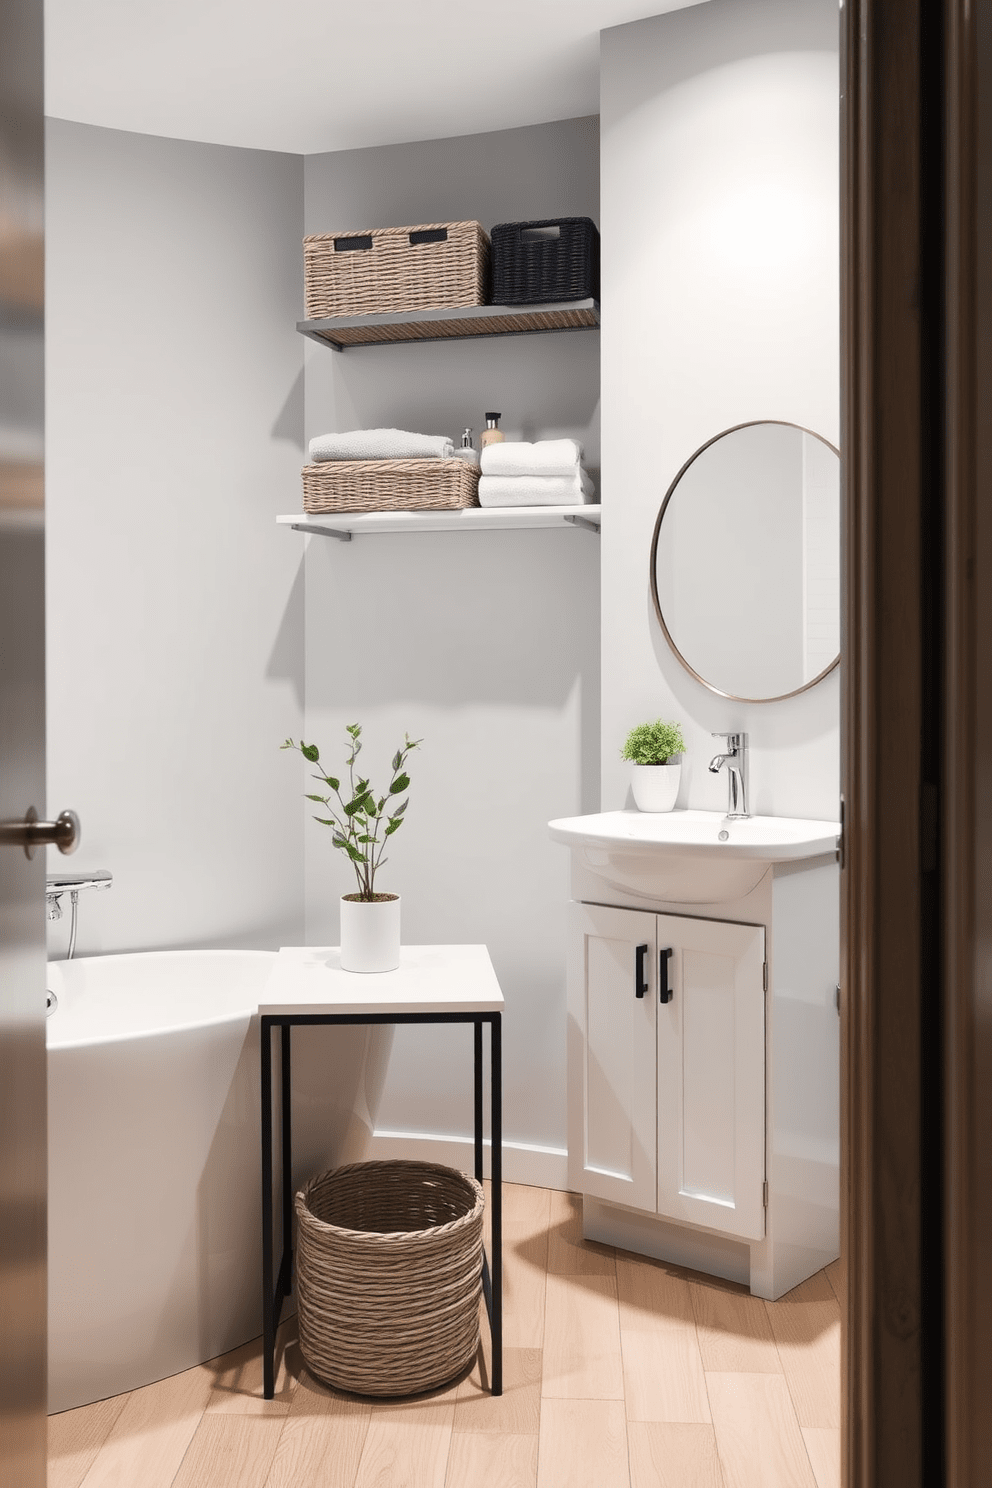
<point>345,525</point>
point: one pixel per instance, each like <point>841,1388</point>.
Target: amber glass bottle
<point>492,433</point>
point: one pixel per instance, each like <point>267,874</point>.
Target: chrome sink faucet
<point>735,760</point>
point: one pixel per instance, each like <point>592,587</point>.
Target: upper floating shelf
<point>345,525</point>
<point>458,324</point>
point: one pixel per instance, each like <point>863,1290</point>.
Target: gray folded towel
<point>380,444</point>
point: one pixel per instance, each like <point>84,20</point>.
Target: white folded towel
<point>535,490</point>
<point>545,457</point>
<point>380,444</point>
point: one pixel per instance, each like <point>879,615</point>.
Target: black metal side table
<point>433,984</point>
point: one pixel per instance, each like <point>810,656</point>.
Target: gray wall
<point>177,659</point>
<point>175,606</point>
<point>485,644</point>
<point>720,287</point>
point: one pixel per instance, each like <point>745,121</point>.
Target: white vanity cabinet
<point>671,1012</point>
<point>704,1128</point>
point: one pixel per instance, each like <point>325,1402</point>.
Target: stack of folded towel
<point>548,473</point>
<point>380,444</point>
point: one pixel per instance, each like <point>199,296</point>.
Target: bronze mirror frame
<point>653,573</point>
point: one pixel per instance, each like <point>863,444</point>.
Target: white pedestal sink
<point>690,857</point>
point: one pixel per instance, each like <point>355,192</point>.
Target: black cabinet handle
<point>664,986</point>
<point>640,985</point>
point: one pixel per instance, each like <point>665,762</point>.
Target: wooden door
<point>612,958</point>
<point>711,1075</point>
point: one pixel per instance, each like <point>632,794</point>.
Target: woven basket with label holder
<point>395,269</point>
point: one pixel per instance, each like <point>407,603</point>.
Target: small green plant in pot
<point>361,822</point>
<point>655,773</point>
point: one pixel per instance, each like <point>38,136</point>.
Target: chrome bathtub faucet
<point>57,884</point>
<point>735,760</point>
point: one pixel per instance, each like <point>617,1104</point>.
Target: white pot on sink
<point>655,787</point>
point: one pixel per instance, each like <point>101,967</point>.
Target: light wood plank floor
<point>619,1372</point>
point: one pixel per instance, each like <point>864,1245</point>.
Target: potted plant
<point>654,777</point>
<point>361,823</point>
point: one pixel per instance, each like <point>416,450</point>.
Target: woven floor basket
<point>396,268</point>
<point>389,1275</point>
<point>389,485</point>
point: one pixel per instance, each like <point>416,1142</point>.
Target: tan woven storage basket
<point>389,1275</point>
<point>396,268</point>
<point>389,485</point>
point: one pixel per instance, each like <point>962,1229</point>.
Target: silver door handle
<point>31,833</point>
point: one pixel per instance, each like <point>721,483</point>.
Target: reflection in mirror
<point>745,563</point>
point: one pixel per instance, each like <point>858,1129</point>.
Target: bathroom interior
<point>189,634</point>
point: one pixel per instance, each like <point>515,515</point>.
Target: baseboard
<point>541,1167</point>
<point>682,1245</point>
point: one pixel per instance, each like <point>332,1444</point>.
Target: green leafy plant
<point>653,743</point>
<point>357,821</point>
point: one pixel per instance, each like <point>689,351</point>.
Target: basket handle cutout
<point>429,235</point>
<point>352,245</point>
<point>539,234</point>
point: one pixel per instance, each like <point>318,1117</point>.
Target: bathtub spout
<point>58,883</point>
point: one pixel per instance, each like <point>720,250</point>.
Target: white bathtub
<point>154,1250</point>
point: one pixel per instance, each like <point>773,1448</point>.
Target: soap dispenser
<point>467,451</point>
<point>492,433</point>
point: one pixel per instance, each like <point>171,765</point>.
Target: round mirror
<point>745,562</point>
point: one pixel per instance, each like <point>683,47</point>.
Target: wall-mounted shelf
<point>344,526</point>
<point>461,323</point>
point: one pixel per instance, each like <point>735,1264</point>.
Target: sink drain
<point>53,1002</point>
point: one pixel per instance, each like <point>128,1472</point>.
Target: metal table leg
<point>284,1281</point>
<point>268,1280</point>
<point>477,1041</point>
<point>275,1287</point>
<point>496,1122</point>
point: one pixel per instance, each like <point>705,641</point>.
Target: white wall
<point>175,607</point>
<point>721,305</point>
<point>821,555</point>
<point>485,644</point>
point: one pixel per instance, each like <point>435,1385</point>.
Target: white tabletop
<point>429,979</point>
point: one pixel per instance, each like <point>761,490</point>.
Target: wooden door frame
<point>881,718</point>
<point>966,846</point>
<point>917,742</point>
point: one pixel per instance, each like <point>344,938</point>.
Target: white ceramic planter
<point>655,787</point>
<point>370,934</point>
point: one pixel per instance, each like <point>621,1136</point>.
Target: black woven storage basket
<point>534,265</point>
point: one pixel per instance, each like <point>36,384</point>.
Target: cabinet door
<point>613,1054</point>
<point>711,1076</point>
